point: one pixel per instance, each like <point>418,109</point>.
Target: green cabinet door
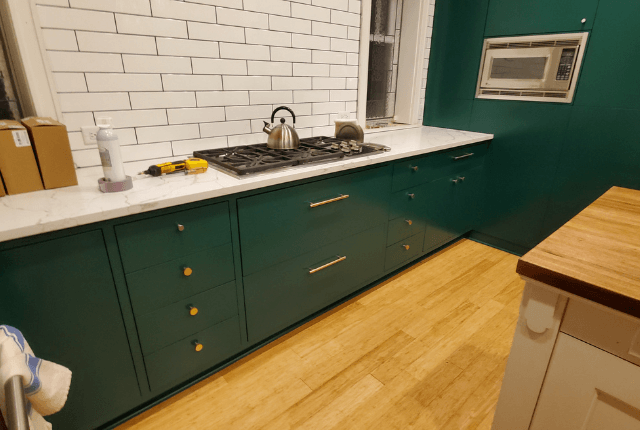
<point>511,17</point>
<point>60,294</point>
<point>609,75</point>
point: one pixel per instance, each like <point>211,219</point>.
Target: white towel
<point>46,384</point>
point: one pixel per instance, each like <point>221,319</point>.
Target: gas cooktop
<point>244,160</point>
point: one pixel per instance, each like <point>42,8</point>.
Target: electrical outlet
<point>90,134</point>
<point>343,115</point>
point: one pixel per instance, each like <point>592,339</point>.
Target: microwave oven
<point>542,68</point>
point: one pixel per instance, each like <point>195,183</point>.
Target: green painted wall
<point>548,160</point>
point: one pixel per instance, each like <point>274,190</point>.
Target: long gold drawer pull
<point>460,157</point>
<point>341,197</point>
<point>317,269</point>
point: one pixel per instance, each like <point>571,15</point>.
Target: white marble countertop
<point>44,211</point>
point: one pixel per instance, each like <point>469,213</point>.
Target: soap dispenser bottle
<point>111,158</point>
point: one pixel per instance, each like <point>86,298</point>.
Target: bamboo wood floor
<point>424,350</point>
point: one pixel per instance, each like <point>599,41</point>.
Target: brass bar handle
<point>324,266</point>
<point>341,197</point>
<point>460,157</point>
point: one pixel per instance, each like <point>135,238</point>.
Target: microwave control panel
<point>566,64</point>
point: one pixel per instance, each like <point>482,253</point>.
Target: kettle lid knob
<point>282,120</point>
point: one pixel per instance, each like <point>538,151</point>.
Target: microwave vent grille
<point>558,95</point>
<point>540,44</point>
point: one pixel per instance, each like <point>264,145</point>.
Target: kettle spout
<point>268,128</point>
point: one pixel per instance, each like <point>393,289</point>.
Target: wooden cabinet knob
<point>409,221</point>
<point>406,247</point>
<point>197,346</point>
<point>180,227</point>
<point>187,271</point>
<point>193,311</point>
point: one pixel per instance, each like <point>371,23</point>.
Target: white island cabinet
<point>575,358</point>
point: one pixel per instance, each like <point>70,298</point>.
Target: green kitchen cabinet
<point>517,17</point>
<point>60,293</point>
<point>609,76</point>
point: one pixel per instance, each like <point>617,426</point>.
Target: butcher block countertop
<point>596,255</point>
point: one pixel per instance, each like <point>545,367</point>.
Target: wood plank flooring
<point>424,350</point>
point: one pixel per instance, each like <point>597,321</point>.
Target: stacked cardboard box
<point>17,161</point>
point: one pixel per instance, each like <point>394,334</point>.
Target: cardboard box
<point>53,152</point>
<point>2,193</point>
<point>17,161</point>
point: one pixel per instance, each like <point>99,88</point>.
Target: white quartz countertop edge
<point>50,210</point>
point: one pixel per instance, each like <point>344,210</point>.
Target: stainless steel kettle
<point>282,136</point>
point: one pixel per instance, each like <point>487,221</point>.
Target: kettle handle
<point>273,115</point>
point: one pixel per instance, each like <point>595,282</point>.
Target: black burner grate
<point>243,160</point>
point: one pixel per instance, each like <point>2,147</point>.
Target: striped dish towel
<point>46,384</point>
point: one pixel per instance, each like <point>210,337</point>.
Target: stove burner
<point>243,160</point>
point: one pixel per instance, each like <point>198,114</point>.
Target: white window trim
<point>413,37</point>
<point>34,79</point>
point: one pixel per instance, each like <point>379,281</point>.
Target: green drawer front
<point>397,254</point>
<point>156,240</point>
<point>409,202</point>
<point>286,293</point>
<point>281,225</point>
<point>153,288</point>
<point>434,166</point>
<point>180,361</point>
<point>174,322</point>
<point>403,227</point>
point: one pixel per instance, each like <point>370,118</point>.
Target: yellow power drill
<point>190,166</point>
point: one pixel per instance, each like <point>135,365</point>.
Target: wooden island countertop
<point>596,255</point>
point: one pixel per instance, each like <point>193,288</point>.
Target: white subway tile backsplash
<point>135,7</point>
<point>247,139</point>
<point>352,83</point>
<point>146,152</point>
<point>275,7</point>
<point>195,115</point>
<point>333,4</point>
<point>246,52</point>
<point>187,147</point>
<point>287,83</point>
<point>74,121</point>
<point>344,45</point>
<point>343,95</point>
<point>155,64</point>
<point>329,30</point>
<point>353,59</point>
<point>243,18</point>
<point>70,82</point>
<point>59,40</point>
<point>104,82</point>
<point>270,97</point>
<point>308,69</point>
<point>215,32</point>
<point>329,57</point>
<point>167,132</point>
<point>135,118</point>
<point>231,83</point>
<point>310,12</point>
<point>311,96</point>
<point>187,48</point>
<point>126,136</point>
<point>248,112</point>
<point>162,100</point>
<point>267,37</point>
<point>213,129</point>
<point>329,83</point>
<point>311,121</point>
<point>355,6</point>
<point>219,67</point>
<point>75,19</point>
<point>183,10</point>
<point>290,54</point>
<point>329,107</point>
<point>222,98</point>
<point>150,26</point>
<point>76,142</point>
<point>84,102</point>
<point>353,33</point>
<point>310,42</point>
<point>237,4</point>
<point>191,82</point>
<point>297,108</point>
<point>352,106</point>
<point>328,130</point>
<point>63,3</point>
<point>86,158</point>
<point>345,18</point>
<point>292,25</point>
<point>116,43</point>
<point>62,61</point>
<point>344,71</point>
<point>269,68</point>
